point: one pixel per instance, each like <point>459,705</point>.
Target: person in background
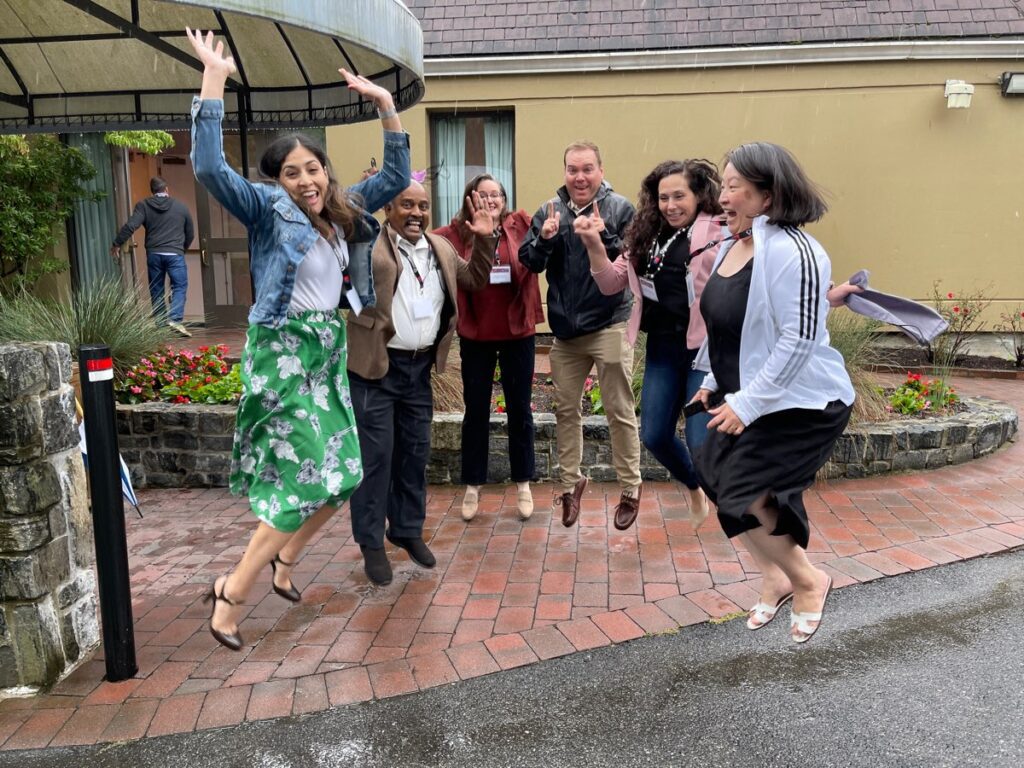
<point>392,347</point>
<point>778,393</point>
<point>669,248</point>
<point>169,232</point>
<point>589,327</point>
<point>497,326</point>
<point>296,451</point>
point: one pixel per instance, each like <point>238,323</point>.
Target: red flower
<point>949,295</point>
<point>956,310</point>
<point>204,349</point>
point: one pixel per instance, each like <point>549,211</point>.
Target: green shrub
<point>103,313</point>
<point>916,395</point>
<point>181,377</point>
<point>856,338</point>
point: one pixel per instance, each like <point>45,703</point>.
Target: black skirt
<point>778,454</point>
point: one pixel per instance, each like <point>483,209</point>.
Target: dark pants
<point>393,415</point>
<point>666,370</point>
<point>160,266</point>
<point>516,359</point>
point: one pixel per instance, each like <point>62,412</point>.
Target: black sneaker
<point>416,547</point>
<point>376,565</point>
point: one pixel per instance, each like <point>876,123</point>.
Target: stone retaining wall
<point>48,618</point>
<point>171,446</point>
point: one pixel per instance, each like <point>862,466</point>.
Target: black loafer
<point>376,565</point>
<point>416,547</point>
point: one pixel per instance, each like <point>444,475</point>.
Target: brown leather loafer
<point>627,510</point>
<point>571,503</point>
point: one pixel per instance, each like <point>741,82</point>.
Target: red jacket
<point>525,311</point>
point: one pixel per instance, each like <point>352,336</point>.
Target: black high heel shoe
<point>233,641</point>
<point>291,593</point>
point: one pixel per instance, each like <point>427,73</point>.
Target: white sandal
<point>800,624</point>
<point>763,613</point>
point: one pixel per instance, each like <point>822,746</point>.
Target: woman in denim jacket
<point>296,452</point>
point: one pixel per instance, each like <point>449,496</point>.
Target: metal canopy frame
<point>379,39</point>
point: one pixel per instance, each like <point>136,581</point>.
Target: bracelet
<point>387,113</point>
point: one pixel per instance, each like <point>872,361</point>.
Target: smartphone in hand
<point>692,409</point>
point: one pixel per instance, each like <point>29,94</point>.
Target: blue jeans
<point>665,391</point>
<point>161,265</point>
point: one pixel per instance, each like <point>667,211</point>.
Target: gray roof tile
<point>501,27</point>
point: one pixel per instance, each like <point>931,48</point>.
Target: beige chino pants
<point>571,362</point>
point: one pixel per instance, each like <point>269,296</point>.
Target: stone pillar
<point>48,607</point>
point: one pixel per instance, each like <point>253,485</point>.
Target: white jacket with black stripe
<point>785,357</point>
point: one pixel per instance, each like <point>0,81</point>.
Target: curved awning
<point>97,65</point>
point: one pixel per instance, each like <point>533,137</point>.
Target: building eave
<point>703,58</point>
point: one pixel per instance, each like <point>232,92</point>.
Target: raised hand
<point>368,89</point>
<point>588,229</point>
<point>481,225</point>
<point>211,55</point>
<point>551,223</point>
<point>596,220</point>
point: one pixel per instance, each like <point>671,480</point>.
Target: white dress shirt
<point>411,333</point>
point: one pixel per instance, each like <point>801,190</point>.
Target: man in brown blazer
<point>391,348</point>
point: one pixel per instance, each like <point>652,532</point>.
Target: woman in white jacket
<point>778,393</point>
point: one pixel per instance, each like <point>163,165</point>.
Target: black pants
<point>393,415</point>
<point>516,359</point>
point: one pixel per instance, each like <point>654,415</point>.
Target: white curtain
<point>450,163</point>
<point>498,141</point>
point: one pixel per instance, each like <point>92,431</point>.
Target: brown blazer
<point>371,330</point>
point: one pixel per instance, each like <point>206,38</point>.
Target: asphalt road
<point>922,670</point>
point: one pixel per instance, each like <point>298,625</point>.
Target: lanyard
<point>497,247</point>
<point>738,236</point>
<point>416,273</point>
<point>658,254</point>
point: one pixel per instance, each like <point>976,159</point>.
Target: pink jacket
<point>622,272</point>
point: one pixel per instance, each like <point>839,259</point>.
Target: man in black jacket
<point>169,232</point>
<point>589,327</point>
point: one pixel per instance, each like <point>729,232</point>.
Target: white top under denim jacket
<point>785,357</point>
<point>280,234</point>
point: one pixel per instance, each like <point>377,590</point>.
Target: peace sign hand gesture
<point>551,223</point>
<point>481,225</point>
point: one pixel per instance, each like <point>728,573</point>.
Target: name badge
<point>422,308</point>
<point>501,274</point>
<point>354,302</point>
<point>647,289</point>
<point>691,291</point>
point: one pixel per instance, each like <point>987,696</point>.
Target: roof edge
<point>699,58</point>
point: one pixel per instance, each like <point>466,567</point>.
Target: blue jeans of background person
<point>160,266</point>
<point>696,426</point>
<point>664,393</point>
<point>516,360</point>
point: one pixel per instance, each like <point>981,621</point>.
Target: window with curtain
<point>464,145</point>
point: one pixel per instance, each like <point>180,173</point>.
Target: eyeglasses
<point>490,195</point>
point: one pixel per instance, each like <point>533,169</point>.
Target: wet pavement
<point>921,671</point>
<point>505,594</point>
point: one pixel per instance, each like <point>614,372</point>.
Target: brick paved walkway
<point>504,593</point>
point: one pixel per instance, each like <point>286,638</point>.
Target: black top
<point>670,314</point>
<point>724,306</point>
<point>168,225</point>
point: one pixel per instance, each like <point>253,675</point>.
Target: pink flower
<point>136,390</point>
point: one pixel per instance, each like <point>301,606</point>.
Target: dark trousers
<point>393,415</point>
<point>161,266</point>
<point>516,359</point>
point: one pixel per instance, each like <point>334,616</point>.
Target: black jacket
<point>575,305</point>
<point>168,225</point>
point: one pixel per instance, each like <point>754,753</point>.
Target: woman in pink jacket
<point>669,249</point>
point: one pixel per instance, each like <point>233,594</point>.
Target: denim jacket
<point>280,234</point>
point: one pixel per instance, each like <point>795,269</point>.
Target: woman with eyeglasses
<point>497,327</point>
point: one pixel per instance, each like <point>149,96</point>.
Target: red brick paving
<point>504,594</point>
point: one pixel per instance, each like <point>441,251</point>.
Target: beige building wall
<point>918,192</point>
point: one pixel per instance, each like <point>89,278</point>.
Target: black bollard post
<point>97,377</point>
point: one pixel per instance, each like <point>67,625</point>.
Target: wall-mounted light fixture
<point>1012,83</point>
<point>958,94</point>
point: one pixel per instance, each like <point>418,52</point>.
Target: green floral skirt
<point>296,447</point>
